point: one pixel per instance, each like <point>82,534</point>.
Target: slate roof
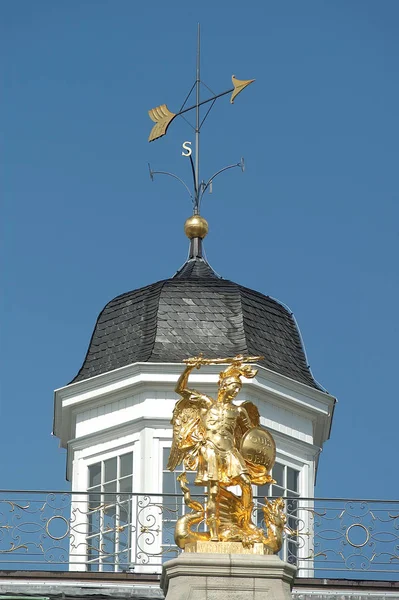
<point>195,311</point>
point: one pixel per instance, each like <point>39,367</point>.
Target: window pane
<point>191,475</point>
<point>108,546</point>
<point>109,487</point>
<point>109,529</point>
<point>292,552</point>
<point>258,516</point>
<point>110,469</point>
<point>125,485</point>
<point>166,452</point>
<point>94,499</point>
<point>277,491</point>
<point>173,505</point>
<point>168,533</point>
<point>292,511</point>
<point>292,479</point>
<point>263,491</point>
<point>124,514</point>
<point>123,560</point>
<point>126,464</point>
<point>196,491</point>
<point>124,532</point>
<point>109,516</point>
<point>169,483</point>
<point>278,474</point>
<point>92,553</point>
<point>108,497</point>
<point>292,505</point>
<point>95,474</point>
<point>94,522</point>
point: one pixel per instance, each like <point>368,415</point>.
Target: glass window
<point>169,484</point>
<point>165,458</point>
<point>292,479</point>
<point>109,519</point>
<point>277,491</point>
<point>278,474</point>
<point>110,469</point>
<point>126,461</point>
<point>109,488</point>
<point>125,485</point>
<point>94,475</point>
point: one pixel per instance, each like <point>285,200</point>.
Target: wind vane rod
<point>197,123</point>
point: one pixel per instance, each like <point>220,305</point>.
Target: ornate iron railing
<point>134,532</point>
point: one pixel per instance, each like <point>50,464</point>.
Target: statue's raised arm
<point>236,362</point>
<point>186,420</point>
<point>182,382</point>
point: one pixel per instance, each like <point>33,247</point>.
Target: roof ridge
<point>161,285</point>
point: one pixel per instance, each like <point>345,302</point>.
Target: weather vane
<point>163,117</point>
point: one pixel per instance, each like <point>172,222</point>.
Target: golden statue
<point>226,446</point>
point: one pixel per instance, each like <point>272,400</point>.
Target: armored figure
<point>226,446</point>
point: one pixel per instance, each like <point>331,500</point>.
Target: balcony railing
<point>134,532</point>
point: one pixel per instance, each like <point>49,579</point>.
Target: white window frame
<point>97,458</point>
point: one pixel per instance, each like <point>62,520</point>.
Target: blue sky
<point>313,221</point>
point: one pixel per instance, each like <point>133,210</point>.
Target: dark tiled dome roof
<point>195,311</point>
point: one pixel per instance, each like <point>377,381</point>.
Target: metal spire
<point>197,122</point>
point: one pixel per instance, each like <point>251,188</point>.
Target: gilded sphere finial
<point>196,227</point>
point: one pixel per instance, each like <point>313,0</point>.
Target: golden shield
<point>258,447</point>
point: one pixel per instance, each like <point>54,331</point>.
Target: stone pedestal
<point>211,576</point>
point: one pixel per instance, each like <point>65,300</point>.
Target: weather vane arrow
<point>163,117</point>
